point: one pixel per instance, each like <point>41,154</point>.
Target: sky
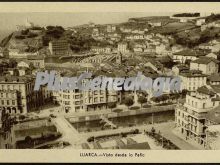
<point>8,21</point>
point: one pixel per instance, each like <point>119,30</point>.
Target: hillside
<point>37,38</point>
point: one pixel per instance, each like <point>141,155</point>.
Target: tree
<point>184,92</point>
<point>12,63</point>
<point>21,117</point>
<point>112,105</point>
<point>142,100</point>
<point>129,101</point>
<point>153,130</point>
<point>28,140</point>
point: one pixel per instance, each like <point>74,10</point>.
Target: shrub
<point>32,35</point>
<point>22,117</point>
<point>136,131</point>
<point>123,134</point>
<point>20,37</point>
<point>146,106</point>
<point>142,100</point>
<point>111,105</point>
<point>129,101</point>
<point>117,110</point>
<point>91,139</point>
<point>134,108</point>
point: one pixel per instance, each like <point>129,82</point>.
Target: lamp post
<point>152,119</point>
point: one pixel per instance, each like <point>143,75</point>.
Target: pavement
<point>167,132</point>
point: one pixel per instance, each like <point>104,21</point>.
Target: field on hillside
<point>175,27</point>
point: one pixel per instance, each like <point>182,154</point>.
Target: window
<point>96,99</point>
<point>77,97</point>
<point>2,102</point>
<point>77,103</point>
<point>101,99</point>
<point>203,105</point>
<point>13,102</point>
<point>8,102</point>
<point>67,103</point>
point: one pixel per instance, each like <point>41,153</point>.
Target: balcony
<point>193,123</point>
<point>199,115</point>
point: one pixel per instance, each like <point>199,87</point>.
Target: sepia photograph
<point>121,81</point>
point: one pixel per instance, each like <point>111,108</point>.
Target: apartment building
<point>192,80</point>
<point>18,95</point>
<point>187,55</point>
<point>36,61</point>
<point>84,100</point>
<point>190,117</point>
<point>59,47</point>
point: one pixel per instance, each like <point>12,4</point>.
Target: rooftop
<point>32,57</point>
<point>214,77</point>
<point>192,73</point>
<point>205,60</point>
<point>18,79</point>
<point>189,52</point>
<point>214,115</point>
<point>206,90</point>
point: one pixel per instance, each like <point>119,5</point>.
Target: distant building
<point>59,47</point>
<point>207,65</point>
<point>119,58</point>
<point>199,22</point>
<point>122,47</point>
<point>156,66</point>
<point>4,52</point>
<point>155,23</point>
<point>110,28</point>
<point>214,79</point>
<point>187,54</point>
<point>37,61</point>
<point>99,49</point>
<point>212,55</point>
<point>26,25</point>
<point>177,69</point>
